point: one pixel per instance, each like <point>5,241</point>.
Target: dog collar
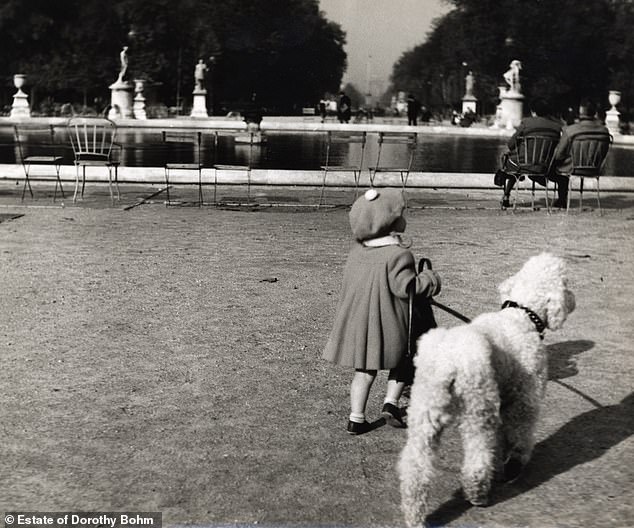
<point>535,319</point>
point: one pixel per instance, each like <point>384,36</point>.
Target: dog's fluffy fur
<point>490,376</point>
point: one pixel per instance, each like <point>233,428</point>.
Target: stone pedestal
<point>120,100</point>
<point>20,106</point>
<point>469,103</point>
<point>510,109</point>
<point>138,109</point>
<point>199,107</point>
<point>612,121</point>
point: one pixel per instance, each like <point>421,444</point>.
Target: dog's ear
<point>560,303</point>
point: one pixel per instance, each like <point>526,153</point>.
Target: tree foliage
<point>282,52</point>
<point>568,49</point>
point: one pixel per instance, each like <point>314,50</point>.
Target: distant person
<point>344,108</point>
<point>588,122</point>
<point>413,107</point>
<point>322,110</point>
<point>468,118</point>
<point>540,119</point>
<point>425,114</point>
<point>570,116</point>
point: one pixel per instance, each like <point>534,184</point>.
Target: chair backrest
<point>33,140</point>
<point>534,152</point>
<point>346,137</point>
<point>188,137</point>
<point>409,139</point>
<point>91,136</point>
<point>588,151</point>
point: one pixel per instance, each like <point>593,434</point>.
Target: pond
<point>306,151</point>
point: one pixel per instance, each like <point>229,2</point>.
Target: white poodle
<point>490,376</point>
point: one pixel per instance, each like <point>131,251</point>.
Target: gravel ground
<point>168,359</point>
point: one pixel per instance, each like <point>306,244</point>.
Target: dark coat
<point>370,330</point>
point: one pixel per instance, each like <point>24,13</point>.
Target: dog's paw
<point>512,470</point>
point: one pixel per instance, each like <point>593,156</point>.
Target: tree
<point>568,50</point>
<point>283,51</point>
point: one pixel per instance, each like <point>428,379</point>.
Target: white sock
<point>357,417</point>
<point>389,400</point>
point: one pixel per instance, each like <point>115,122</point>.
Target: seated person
<point>563,162</point>
<point>539,120</point>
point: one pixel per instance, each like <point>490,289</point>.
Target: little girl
<point>371,330</point>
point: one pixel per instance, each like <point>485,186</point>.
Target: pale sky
<point>378,32</point>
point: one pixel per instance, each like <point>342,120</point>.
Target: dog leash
<point>424,264</point>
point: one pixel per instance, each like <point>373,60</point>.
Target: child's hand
<point>434,282</point>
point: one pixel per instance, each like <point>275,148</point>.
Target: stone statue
<point>512,77</point>
<point>469,81</point>
<point>123,57</point>
<point>199,74</point>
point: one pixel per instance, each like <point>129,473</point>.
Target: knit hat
<point>375,213</point>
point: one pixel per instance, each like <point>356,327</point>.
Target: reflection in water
<point>306,151</point>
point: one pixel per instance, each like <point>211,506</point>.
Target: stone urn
<point>614,98</point>
<point>612,119</point>
<point>18,80</point>
<point>20,106</point>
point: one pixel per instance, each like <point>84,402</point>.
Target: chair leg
<point>404,177</point>
<point>569,193</point>
<point>215,185</point>
<point>599,198</point>
<point>357,178</point>
<point>110,185</point>
<point>323,188</point>
<point>167,187</point>
<point>76,183</point>
<point>516,193</point>
<point>200,187</point>
<point>83,180</point>
<point>533,195</point>
<point>26,182</point>
<point>58,182</point>
<point>116,181</point>
<point>249,185</point>
<point>580,193</point>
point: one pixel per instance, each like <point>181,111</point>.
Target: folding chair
<point>588,151</point>
<point>190,143</point>
<point>532,156</point>
<point>246,138</point>
<point>94,146</point>
<point>333,140</point>
<point>409,140</point>
<point>34,150</point>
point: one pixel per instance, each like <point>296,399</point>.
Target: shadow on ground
<point>591,433</point>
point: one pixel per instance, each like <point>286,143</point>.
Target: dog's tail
<point>428,413</point>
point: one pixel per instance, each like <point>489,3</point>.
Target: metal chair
<point>335,139</point>
<point>34,150</point>
<point>409,140</point>
<point>248,138</point>
<point>189,142</point>
<point>533,157</point>
<point>588,152</point>
<point>94,146</point>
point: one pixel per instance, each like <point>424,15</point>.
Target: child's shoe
<point>392,415</point>
<point>358,428</point>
